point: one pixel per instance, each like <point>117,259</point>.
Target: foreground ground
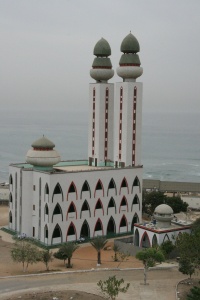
<point>162,283</point>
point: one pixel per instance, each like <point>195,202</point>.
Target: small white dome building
<point>42,155</point>
<point>161,229</point>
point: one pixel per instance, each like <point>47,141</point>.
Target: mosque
<point>55,201</point>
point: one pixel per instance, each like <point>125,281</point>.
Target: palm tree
<point>98,243</point>
<point>67,250</point>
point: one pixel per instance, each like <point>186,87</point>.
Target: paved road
<point>161,283</point>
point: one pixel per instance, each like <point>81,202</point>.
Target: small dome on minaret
<point>43,155</point>
<point>129,68</point>
<point>102,68</point>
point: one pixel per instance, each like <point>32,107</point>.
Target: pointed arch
<point>46,189</point>
<point>85,207</point>
<point>112,185</point>
<point>123,223</point>
<point>46,210</point>
<point>10,180</point>
<point>71,231</point>
<point>57,234</point>
<point>57,193</point>
<point>72,189</point>
<point>98,226</point>
<point>111,227</point>
<point>10,217</point>
<point>111,203</point>
<point>166,238</point>
<point>72,209</point>
<point>10,198</point>
<point>154,241</point>
<point>134,220</point>
<point>136,182</point>
<point>99,186</point>
<point>124,184</point>
<point>85,188</point>
<point>136,238</point>
<point>46,232</point>
<point>57,211</point>
<point>99,205</point>
<point>145,241</point>
<point>123,202</point>
<point>135,201</point>
<point>85,230</point>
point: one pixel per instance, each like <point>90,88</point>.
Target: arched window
<point>99,205</point>
<point>85,188</point>
<point>124,184</point>
<point>10,198</point>
<point>166,238</point>
<point>85,230</point>
<point>123,205</point>
<point>145,242</point>
<point>72,189</point>
<point>72,209</point>
<point>111,204</point>
<point>57,189</point>
<point>57,211</point>
<point>98,226</point>
<point>46,232</point>
<point>46,210</point>
<point>136,182</point>
<point>85,207</point>
<point>112,186</point>
<point>137,238</point>
<point>111,227</point>
<point>99,187</point>
<point>135,220</point>
<point>135,201</point>
<point>57,233</point>
<point>57,193</point>
<point>10,217</point>
<point>10,180</point>
<point>71,230</point>
<point>123,222</point>
<point>154,241</point>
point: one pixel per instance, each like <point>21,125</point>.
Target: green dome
<point>43,143</point>
<point>102,62</point>
<point>130,44</point>
<point>102,48</point>
<point>129,59</point>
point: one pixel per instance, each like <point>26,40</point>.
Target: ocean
<point>170,141</point>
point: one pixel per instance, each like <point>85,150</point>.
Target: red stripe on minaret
<point>120,123</point>
<point>106,126</point>
<point>134,125</point>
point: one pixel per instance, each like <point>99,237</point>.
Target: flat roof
<point>80,168</point>
<point>175,226</point>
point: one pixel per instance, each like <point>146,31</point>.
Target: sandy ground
<point>85,257</point>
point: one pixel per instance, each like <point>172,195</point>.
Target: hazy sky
<point>47,46</point>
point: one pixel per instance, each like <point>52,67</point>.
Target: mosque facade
<point>55,201</point>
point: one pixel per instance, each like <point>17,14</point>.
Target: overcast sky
<point>47,46</point>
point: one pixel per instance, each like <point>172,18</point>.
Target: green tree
<point>98,243</point>
<point>26,253</point>
<point>151,200</point>
<point>67,250</point>
<point>188,246</point>
<point>149,257</point>
<point>60,255</point>
<point>167,247</point>
<point>46,258</point>
<point>112,287</point>
<point>196,226</point>
<point>177,204</point>
<point>186,266</point>
<point>194,293</point>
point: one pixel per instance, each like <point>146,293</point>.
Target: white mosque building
<point>55,201</point>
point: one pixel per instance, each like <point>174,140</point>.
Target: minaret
<point>101,107</point>
<point>128,106</point>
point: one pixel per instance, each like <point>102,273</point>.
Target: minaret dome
<point>102,68</point>
<point>129,68</point>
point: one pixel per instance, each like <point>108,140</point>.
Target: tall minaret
<point>101,107</point>
<point>128,106</point>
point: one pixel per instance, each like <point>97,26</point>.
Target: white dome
<point>163,209</point>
